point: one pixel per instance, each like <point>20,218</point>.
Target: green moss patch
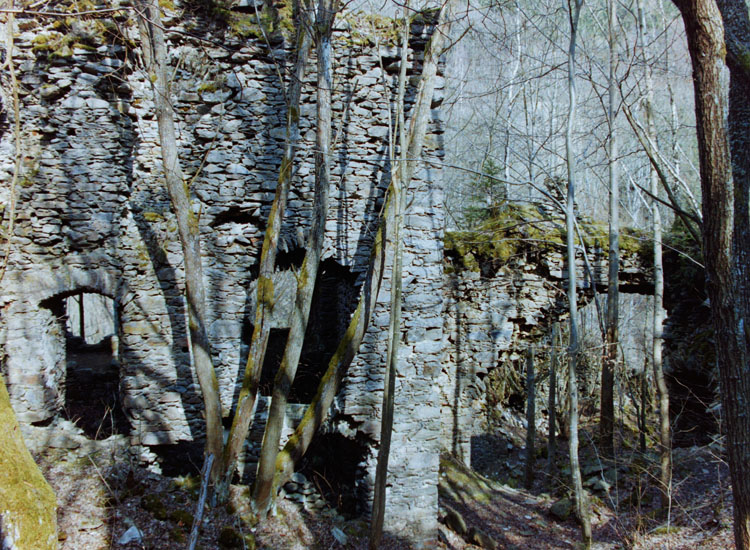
<point>28,503</point>
<point>462,484</point>
<point>154,504</point>
<point>516,230</point>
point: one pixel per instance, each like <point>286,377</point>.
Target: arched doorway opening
<point>92,378</point>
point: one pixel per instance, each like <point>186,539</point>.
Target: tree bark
<point>609,363</point>
<point>394,323</point>
<point>262,495</point>
<point>736,374</point>
<point>552,406</point>
<point>528,479</point>
<point>155,55</point>
<point>580,496</point>
<point>642,377</point>
<point>265,292</point>
<point>318,410</point>
<point>728,261</point>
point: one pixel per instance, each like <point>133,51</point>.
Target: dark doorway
<point>92,387</point>
<point>336,466</point>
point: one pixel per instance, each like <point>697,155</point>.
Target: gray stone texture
<point>94,216</point>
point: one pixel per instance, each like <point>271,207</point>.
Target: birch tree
<point>265,291</point>
<point>155,57</point>
<point>574,12</point>
<point>394,323</point>
<point>329,385</point>
<point>612,317</point>
<point>665,435</point>
<point>323,27</point>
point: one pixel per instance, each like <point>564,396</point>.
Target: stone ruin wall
<point>491,320</point>
<point>93,215</point>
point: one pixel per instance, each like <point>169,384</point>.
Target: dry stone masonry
<point>95,271</point>
<point>93,218</point>
<point>492,315</point>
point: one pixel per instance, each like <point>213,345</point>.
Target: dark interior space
<point>691,395</point>
<point>334,299</point>
<point>335,465</point>
<point>180,459</point>
<point>92,389</point>
<point>92,386</point>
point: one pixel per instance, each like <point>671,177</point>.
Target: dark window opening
<point>336,467</point>
<point>334,299</point>
<point>92,384</point>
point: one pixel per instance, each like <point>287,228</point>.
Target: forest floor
<point>103,496</point>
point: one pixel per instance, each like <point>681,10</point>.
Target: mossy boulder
<point>562,509</point>
<point>28,507</point>
<point>480,538</point>
<point>454,521</point>
<point>461,483</point>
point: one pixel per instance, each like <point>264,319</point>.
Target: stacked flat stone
<point>94,216</point>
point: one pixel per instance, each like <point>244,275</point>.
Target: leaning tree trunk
<point>318,410</point>
<point>665,433</point>
<point>265,292</point>
<point>575,470</point>
<point>28,507</point>
<point>308,272</point>
<point>607,423</point>
<point>155,55</point>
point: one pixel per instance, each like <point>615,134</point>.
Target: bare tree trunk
<point>552,406</point>
<point>665,435</point>
<point>575,470</point>
<point>318,410</point>
<point>528,479</point>
<point>732,313</point>
<point>309,271</point>
<point>265,291</point>
<point>200,507</point>
<point>642,411</point>
<point>155,55</point>
<point>609,362</point>
<point>394,323</point>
